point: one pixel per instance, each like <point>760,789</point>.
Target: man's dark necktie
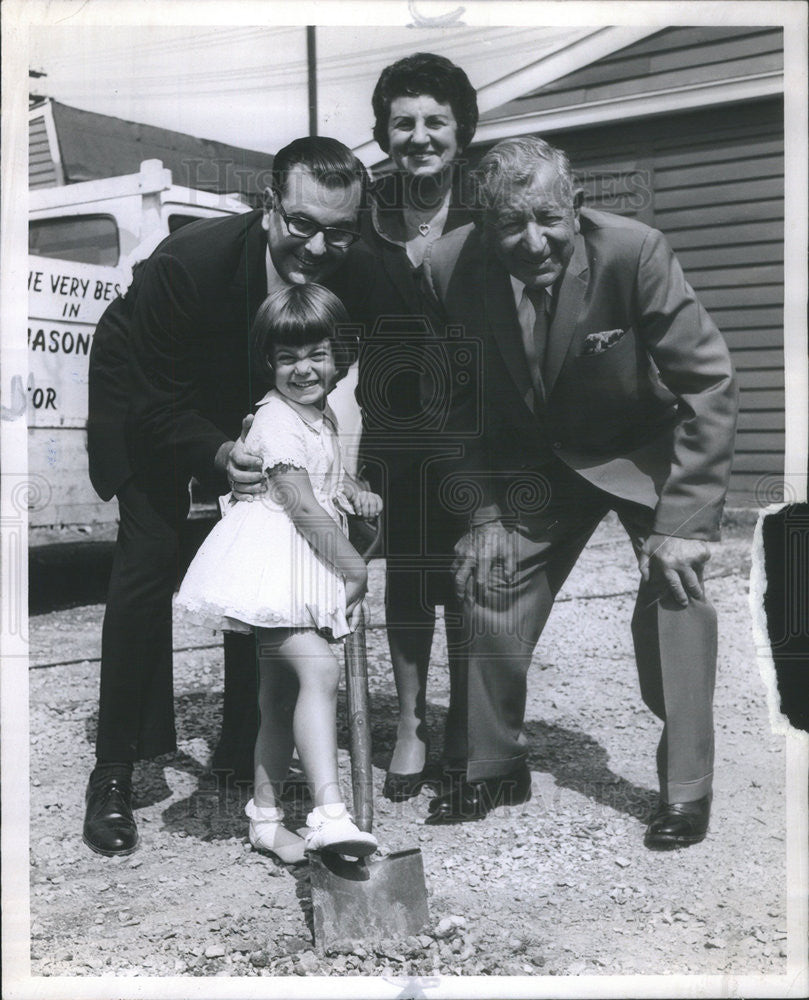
<point>536,345</point>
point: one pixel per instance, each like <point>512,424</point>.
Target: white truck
<point>83,240</point>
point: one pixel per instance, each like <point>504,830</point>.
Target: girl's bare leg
<point>310,658</point>
<point>277,692</point>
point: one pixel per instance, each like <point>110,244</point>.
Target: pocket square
<point>597,343</point>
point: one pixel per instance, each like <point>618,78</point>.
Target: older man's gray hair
<point>512,163</point>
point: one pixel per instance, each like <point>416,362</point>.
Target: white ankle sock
<point>326,813</point>
<point>263,814</point>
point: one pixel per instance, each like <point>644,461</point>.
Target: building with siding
<point>684,130</point>
<point>67,146</point>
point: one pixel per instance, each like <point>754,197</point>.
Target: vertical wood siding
<point>713,182</point>
<point>41,168</point>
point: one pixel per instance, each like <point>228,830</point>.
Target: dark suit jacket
<point>389,305</point>
<point>398,450</point>
<point>650,418</point>
<point>170,367</point>
<point>108,400</point>
<point>189,351</point>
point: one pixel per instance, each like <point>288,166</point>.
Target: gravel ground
<point>559,886</point>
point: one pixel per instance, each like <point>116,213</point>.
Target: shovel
<point>374,898</point>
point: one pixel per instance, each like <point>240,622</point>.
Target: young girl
<point>283,567</point>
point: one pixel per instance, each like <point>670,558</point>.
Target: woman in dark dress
<point>426,113</point>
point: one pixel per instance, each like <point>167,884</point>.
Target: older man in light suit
<point>606,386</point>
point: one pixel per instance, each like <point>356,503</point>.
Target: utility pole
<point>311,62</point>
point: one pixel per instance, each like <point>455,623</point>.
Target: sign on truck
<point>83,241</point>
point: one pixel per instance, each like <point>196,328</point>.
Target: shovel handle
<point>359,725</point>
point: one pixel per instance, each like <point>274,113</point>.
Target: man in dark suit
<point>170,384</point>
<point>606,387</point>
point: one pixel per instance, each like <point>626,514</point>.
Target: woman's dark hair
<point>425,73</point>
<point>298,315</point>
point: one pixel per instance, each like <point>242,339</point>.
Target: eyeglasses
<point>305,229</point>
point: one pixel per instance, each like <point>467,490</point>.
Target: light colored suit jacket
<point>640,395</point>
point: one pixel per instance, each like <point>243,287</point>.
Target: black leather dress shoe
<point>109,826</point>
<point>400,787</point>
<point>466,801</point>
<point>678,824</point>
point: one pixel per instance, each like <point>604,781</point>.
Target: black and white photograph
<point>404,499</point>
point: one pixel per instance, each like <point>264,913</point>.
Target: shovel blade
<point>369,900</point>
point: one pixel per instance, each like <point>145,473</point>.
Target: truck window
<point>88,239</point>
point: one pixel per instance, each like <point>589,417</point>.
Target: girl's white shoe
<point>267,833</point>
<point>332,829</point>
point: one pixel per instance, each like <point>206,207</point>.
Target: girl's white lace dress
<point>255,568</point>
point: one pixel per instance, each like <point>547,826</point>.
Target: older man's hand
<point>243,468</point>
<point>484,557</point>
<point>679,561</point>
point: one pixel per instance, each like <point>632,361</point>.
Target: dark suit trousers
<point>136,706</point>
<point>675,647</point>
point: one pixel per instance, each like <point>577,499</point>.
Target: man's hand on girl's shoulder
<point>243,468</point>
